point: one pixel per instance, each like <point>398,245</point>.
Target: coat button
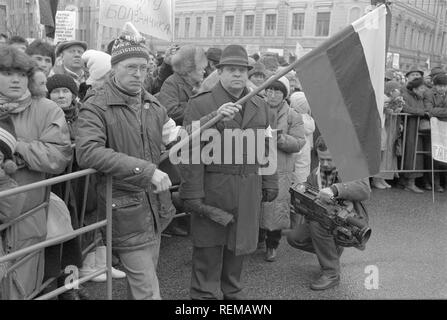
<point>113,205</point>
<point>137,170</point>
<point>147,106</point>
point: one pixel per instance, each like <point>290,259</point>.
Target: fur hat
<point>214,54</point>
<point>258,67</point>
<point>98,64</point>
<point>440,80</point>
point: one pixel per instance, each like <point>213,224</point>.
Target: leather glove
<point>217,215</point>
<point>268,195</point>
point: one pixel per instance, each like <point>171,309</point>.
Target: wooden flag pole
<point>241,101</point>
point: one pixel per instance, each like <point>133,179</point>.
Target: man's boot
<point>411,186</point>
<point>89,267</point>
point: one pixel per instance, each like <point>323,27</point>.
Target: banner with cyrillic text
<point>151,17</point>
<point>439,139</point>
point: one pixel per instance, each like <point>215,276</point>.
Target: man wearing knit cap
<point>120,133</point>
<point>237,189</point>
<point>70,55</point>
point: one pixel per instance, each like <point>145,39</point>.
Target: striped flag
<point>344,83</point>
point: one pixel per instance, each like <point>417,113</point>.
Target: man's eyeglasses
<point>133,69</point>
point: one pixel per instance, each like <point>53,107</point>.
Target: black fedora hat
<point>234,55</point>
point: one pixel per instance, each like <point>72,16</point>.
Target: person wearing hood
<point>98,65</point>
<point>298,102</point>
<point>275,215</point>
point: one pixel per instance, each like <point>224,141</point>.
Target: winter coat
<point>174,96</point>
<point>43,148</point>
<point>235,188</point>
<point>122,136</point>
<point>276,215</point>
<point>436,104</point>
<point>415,106</point>
<point>303,158</point>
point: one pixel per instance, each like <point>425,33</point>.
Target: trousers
<point>215,270</point>
<point>312,237</point>
<point>141,270</point>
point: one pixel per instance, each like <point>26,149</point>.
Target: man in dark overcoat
<point>235,188</point>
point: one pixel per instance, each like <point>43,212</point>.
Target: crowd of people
<point>65,107</point>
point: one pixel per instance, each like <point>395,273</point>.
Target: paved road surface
<point>408,246</point>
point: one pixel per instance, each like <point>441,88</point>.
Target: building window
<point>270,24</point>
<point>198,26</point>
<point>411,38</point>
<point>229,26</point>
<point>210,26</point>
<point>404,37</point>
<point>187,24</point>
<point>177,27</point>
<point>249,25</point>
<point>323,19</point>
<point>396,34</point>
<point>297,24</point>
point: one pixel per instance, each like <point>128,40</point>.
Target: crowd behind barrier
<point>175,80</point>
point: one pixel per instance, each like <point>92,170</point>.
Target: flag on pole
<point>344,83</point>
<point>48,9</point>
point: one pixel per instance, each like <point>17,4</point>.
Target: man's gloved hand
<point>268,195</point>
<point>217,215</point>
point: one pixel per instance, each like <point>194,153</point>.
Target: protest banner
<point>150,17</point>
<point>439,139</point>
<point>65,26</point>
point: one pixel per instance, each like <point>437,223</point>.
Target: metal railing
<point>19,257</point>
<point>402,167</point>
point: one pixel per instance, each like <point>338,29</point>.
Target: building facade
<point>18,17</point>
<point>417,34</point>
<point>88,23</point>
<point>418,31</point>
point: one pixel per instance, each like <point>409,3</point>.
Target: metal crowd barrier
<point>419,135</point>
<point>21,256</point>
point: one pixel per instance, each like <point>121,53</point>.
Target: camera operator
<point>310,236</point>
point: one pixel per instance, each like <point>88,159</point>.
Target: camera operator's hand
<point>161,181</point>
<point>327,195</point>
<point>229,110</point>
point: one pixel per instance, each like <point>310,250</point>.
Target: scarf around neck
<point>15,105</point>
